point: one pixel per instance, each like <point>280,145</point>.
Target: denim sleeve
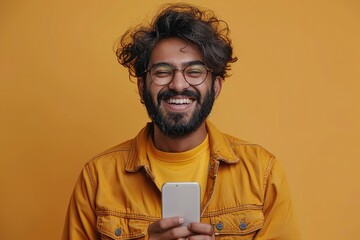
<point>280,222</point>
<point>80,220</point>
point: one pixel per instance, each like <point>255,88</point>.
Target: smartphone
<point>181,199</point>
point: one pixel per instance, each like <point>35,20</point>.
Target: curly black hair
<point>183,21</point>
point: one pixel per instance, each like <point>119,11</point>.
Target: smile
<point>179,101</point>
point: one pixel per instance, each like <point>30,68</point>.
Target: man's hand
<point>202,231</point>
<point>170,228</point>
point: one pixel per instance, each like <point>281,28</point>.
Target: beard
<point>175,124</point>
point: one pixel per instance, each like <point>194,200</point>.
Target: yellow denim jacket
<point>246,196</point>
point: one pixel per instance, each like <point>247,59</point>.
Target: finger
<point>201,228</point>
<point>173,233</point>
<point>165,224</point>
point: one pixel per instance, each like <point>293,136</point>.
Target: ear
<point>140,85</point>
<point>217,86</point>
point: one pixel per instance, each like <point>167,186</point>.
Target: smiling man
<point>178,92</point>
<point>180,61</point>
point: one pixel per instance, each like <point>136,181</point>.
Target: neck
<point>182,144</point>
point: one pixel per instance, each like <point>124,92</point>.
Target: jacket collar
<point>220,148</point>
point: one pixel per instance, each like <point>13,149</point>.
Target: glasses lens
<point>162,74</point>
<point>195,74</point>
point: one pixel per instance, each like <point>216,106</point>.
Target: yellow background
<point>64,98</point>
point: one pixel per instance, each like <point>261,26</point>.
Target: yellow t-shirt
<point>189,166</point>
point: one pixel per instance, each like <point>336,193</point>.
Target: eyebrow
<point>183,65</point>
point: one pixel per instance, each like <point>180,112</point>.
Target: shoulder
<point>245,149</point>
<point>122,147</point>
<point>252,159</point>
<point>120,157</point>
<point>113,156</point>
<point>232,149</point>
<point>256,163</point>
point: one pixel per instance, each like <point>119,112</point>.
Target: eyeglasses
<point>194,74</point>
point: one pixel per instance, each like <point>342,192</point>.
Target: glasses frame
<point>178,69</point>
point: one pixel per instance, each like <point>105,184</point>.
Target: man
<point>180,61</point>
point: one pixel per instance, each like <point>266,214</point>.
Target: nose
<point>178,83</point>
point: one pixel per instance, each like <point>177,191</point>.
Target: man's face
<point>178,108</point>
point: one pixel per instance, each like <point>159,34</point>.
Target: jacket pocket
<point>114,227</point>
<point>242,224</point>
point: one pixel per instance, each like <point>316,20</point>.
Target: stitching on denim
<point>233,209</point>
<point>126,215</point>
<point>92,181</point>
<point>267,174</point>
<point>123,147</point>
<point>132,151</point>
<point>134,234</point>
<point>229,145</point>
<point>239,143</point>
<point>213,172</point>
<point>241,232</point>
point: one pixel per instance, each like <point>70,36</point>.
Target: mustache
<point>166,94</point>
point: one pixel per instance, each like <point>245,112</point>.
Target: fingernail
<point>181,220</point>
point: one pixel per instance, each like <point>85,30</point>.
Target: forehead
<point>175,51</point>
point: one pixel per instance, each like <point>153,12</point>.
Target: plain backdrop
<point>64,98</point>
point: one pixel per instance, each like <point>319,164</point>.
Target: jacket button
<point>118,232</point>
<point>219,226</point>
<point>243,226</point>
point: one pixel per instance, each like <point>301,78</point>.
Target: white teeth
<point>179,101</point>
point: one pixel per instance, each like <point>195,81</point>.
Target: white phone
<point>181,199</point>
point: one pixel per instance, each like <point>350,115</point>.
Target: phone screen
<point>181,199</point>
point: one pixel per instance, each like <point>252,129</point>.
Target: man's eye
<point>162,73</point>
<point>194,72</point>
